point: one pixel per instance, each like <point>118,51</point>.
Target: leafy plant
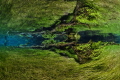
<point>86,52</point>
<point>49,35</point>
<point>88,16</point>
<point>49,38</point>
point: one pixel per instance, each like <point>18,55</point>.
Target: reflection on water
<point>97,36</point>
<point>30,39</point>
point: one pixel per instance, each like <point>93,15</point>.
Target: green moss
<point>31,15</point>
<point>89,16</point>
<point>33,64</point>
<point>28,64</point>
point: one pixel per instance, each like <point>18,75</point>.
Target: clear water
<point>29,39</point>
<point>20,39</point>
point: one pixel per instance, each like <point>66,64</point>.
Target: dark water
<point>97,36</point>
<point>30,39</point>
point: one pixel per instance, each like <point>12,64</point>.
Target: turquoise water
<point>20,39</point>
<point>31,39</point>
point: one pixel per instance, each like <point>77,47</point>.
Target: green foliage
<point>36,14</point>
<point>86,52</point>
<point>68,53</point>
<point>63,27</point>
<point>49,35</point>
<point>74,37</point>
<point>89,12</point>
<point>89,16</point>
<point>39,64</point>
<point>49,38</point>
<point>82,52</point>
<point>48,42</point>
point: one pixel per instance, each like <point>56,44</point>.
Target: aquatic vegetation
<point>32,15</point>
<point>44,64</point>
<point>86,52</point>
<point>58,62</point>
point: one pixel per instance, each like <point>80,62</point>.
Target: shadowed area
<point>97,36</point>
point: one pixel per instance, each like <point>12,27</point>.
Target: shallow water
<point>29,39</point>
<point>20,39</point>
